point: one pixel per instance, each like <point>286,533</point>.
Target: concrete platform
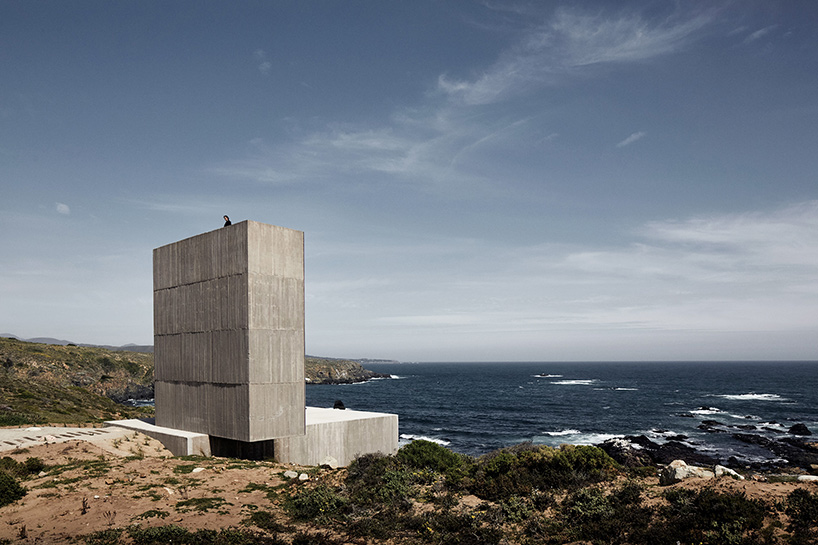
<point>179,442</point>
<point>16,438</point>
<point>333,437</point>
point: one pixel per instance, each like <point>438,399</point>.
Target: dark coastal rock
<point>625,454</point>
<point>712,423</point>
<point>795,451</point>
<point>712,426</point>
<point>647,452</point>
<point>339,405</point>
<point>799,429</point>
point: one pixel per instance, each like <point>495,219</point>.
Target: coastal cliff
<point>333,371</point>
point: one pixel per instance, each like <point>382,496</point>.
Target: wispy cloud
<point>569,42</point>
<point>631,139</point>
<point>264,66</point>
<point>760,33</point>
<point>435,145</point>
<point>63,208</point>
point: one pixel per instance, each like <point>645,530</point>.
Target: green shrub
<point>708,516</point>
<point>375,478</point>
<point>802,508</point>
<point>516,509</point>
<point>14,419</point>
<point>375,523</point>
<point>10,489</point>
<point>158,534</point>
<point>320,504</point>
<point>302,538</point>
<point>589,514</point>
<point>422,454</point>
<point>180,536</point>
<point>34,465</point>
<point>151,513</point>
<point>265,520</point>
<point>451,528</point>
<point>111,536</point>
<point>521,470</point>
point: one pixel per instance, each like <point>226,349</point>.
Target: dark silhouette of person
<point>227,221</point>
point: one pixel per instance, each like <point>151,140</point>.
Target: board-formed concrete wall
<point>229,333</point>
<point>336,437</point>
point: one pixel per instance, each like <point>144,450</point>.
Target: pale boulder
<point>678,471</point>
<point>722,471</point>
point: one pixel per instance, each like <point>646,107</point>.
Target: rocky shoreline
<point>791,450</point>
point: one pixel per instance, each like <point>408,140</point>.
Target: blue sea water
<point>474,408</point>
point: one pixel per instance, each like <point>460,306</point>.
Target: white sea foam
<point>546,375</point>
<point>626,389</point>
<point>562,432</point>
<point>748,417</point>
<point>594,438</point>
<point>574,437</point>
<point>662,433</point>
<point>707,410</point>
<point>753,396</point>
<point>410,437</point>
<point>576,382</point>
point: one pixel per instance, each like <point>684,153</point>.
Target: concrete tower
<point>229,336</point>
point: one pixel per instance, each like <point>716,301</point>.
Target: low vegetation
<point>425,494</point>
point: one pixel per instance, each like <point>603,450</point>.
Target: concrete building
<point>229,354</point>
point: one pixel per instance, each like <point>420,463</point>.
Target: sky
<point>476,180</point>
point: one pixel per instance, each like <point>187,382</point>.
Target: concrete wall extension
<point>229,333</point>
<point>336,437</point>
<point>178,442</point>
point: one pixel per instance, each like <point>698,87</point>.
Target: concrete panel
<point>275,251</point>
<point>276,410</point>
<point>339,435</point>
<point>275,302</point>
<point>181,406</point>
<point>285,347</point>
<point>230,357</point>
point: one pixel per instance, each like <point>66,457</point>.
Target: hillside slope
<point>41,383</point>
<point>48,383</point>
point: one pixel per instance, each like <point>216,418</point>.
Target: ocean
<point>474,408</point>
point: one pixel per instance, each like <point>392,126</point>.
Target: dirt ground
<point>97,483</point>
<point>133,479</point>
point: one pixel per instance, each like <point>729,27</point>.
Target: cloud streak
<point>631,139</point>
<point>569,44</point>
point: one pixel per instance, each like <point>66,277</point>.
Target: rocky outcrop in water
<point>634,451</point>
<point>792,450</point>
